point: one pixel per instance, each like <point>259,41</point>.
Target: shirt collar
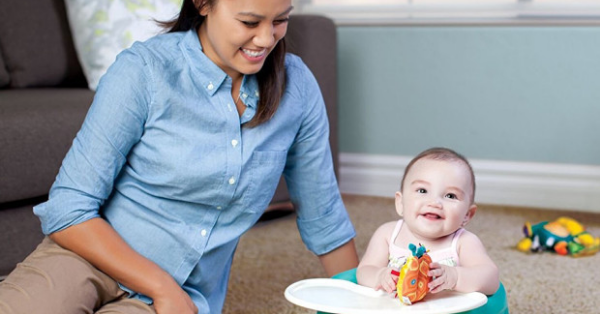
<point>210,76</point>
<point>249,91</point>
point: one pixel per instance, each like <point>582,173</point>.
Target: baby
<point>435,201</point>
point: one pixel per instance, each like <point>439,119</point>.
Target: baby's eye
<point>451,196</point>
<point>421,191</point>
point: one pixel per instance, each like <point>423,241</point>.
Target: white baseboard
<point>541,185</point>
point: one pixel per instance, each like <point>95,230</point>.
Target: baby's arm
<point>372,270</point>
<point>477,271</point>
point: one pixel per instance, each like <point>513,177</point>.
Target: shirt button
<point>229,107</point>
<point>210,86</point>
<point>256,93</point>
<point>219,207</point>
<point>234,143</point>
<point>231,180</point>
<point>203,232</point>
<point>244,95</point>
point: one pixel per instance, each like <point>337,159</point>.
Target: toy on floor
<point>564,236</point>
<point>413,279</point>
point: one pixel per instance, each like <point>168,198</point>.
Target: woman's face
<point>238,35</point>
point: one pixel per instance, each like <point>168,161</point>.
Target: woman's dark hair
<point>271,78</point>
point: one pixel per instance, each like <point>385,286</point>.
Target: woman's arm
<point>323,221</point>
<point>340,259</point>
<point>98,243</point>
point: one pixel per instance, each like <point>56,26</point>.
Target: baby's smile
<point>432,216</point>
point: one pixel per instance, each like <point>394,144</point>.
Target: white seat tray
<point>342,296</point>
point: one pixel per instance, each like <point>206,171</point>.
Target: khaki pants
<point>52,280</point>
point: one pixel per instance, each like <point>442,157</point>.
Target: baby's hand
<point>442,277</point>
<point>386,280</point>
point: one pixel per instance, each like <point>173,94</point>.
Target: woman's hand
<point>174,301</point>
<point>442,277</point>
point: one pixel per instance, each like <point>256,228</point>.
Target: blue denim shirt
<point>164,157</point>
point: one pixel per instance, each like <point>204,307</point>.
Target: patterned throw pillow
<point>102,29</point>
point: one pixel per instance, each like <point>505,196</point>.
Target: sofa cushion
<point>36,43</point>
<point>37,127</point>
<point>21,233</point>
<point>4,78</point>
<point>102,29</point>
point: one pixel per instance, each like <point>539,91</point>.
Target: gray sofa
<point>44,98</point>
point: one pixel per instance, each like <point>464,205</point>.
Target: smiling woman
<point>238,37</point>
<point>165,174</point>
<point>243,37</point>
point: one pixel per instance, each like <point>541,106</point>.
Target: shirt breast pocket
<point>265,169</point>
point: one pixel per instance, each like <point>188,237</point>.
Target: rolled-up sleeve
<point>112,126</point>
<point>325,233</point>
<point>323,221</point>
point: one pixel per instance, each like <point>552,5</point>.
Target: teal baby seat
<point>496,304</point>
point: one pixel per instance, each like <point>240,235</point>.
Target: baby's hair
<point>445,154</point>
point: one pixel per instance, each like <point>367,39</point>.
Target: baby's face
<point>436,198</point>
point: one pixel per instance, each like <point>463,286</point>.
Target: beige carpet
<point>271,256</point>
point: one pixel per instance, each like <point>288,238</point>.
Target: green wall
<point>522,93</point>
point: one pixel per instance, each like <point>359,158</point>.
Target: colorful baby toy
<point>565,236</point>
<point>413,279</point>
